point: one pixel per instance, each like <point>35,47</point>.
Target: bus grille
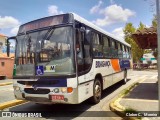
<point>45,82</point>
<point>37,91</point>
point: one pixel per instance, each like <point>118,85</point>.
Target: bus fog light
<point>56,90</point>
<point>15,96</point>
<point>63,90</point>
<point>23,95</point>
<point>65,99</point>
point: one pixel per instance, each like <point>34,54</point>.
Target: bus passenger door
<point>84,59</point>
<point>80,56</point>
<point>87,55</point>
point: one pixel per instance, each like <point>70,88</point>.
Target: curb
<point>11,103</point>
<point>119,109</point>
<point>7,83</point>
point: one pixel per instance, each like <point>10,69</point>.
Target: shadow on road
<point>66,110</point>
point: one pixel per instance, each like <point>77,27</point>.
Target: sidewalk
<point>142,99</point>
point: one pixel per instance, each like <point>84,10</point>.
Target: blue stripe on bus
<point>124,64</point>
<point>48,82</point>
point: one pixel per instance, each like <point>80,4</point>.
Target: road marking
<point>143,100</point>
<point>11,103</point>
<point>142,80</point>
<point>147,77</point>
<point>154,77</point>
<point>138,77</point>
<point>149,82</point>
<point>133,77</point>
<point>7,83</point>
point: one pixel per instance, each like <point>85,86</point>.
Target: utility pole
<point>158,45</point>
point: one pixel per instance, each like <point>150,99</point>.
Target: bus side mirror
<point>8,43</point>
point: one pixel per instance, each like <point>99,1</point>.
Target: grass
<point>130,110</point>
<point>126,91</point>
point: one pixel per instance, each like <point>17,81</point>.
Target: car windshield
<point>47,52</point>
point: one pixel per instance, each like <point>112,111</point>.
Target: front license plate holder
<point>57,97</point>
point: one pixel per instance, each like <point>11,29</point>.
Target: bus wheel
<point>125,77</point>
<point>97,91</point>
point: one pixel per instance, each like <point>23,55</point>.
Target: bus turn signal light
<point>69,89</point>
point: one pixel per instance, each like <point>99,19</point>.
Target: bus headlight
<point>63,90</point>
<point>56,90</point>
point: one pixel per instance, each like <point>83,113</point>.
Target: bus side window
<point>113,48</point>
<point>119,50</point>
<point>97,45</point>
<point>106,48</point>
<point>116,50</point>
<point>128,52</point>
<point>123,50</point>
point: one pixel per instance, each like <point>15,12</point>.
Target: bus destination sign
<point>44,22</point>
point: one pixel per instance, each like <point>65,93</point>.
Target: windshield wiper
<point>47,36</point>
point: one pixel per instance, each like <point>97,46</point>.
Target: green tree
<point>137,52</point>
<point>141,26</point>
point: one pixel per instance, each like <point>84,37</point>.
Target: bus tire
<point>97,92</point>
<point>125,77</point>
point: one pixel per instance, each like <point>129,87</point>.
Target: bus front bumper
<point>50,98</point>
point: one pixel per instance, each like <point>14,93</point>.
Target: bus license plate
<point>57,97</point>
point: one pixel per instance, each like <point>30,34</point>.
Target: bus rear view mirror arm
<point>8,44</point>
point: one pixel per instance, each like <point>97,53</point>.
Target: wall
<point>7,69</point>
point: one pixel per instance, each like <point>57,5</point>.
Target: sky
<point>110,15</point>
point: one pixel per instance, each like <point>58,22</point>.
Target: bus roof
<point>52,20</point>
<point>82,20</point>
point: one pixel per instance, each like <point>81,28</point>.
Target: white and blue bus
<point>66,59</point>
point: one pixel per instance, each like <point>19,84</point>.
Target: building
<point>146,38</point>
<point>2,42</point>
<point>6,66</point>
<point>6,63</point>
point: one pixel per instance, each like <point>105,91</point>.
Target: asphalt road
<point>83,109</point>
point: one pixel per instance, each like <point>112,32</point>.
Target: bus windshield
<point>52,50</point>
